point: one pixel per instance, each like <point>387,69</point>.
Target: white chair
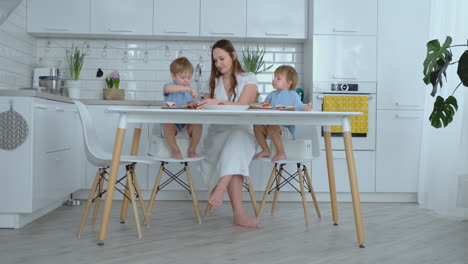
<point>102,159</point>
<point>298,152</point>
<point>160,152</point>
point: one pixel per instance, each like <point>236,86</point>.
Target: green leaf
<point>443,111</point>
<point>462,70</point>
<point>437,60</point>
<point>253,60</point>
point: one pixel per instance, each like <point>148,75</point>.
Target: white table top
<point>249,117</point>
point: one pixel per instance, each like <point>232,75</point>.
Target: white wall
<point>17,51</point>
<point>143,76</point>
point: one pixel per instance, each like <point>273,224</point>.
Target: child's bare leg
<point>274,132</point>
<point>194,131</point>
<point>260,135</point>
<point>241,218</point>
<point>216,197</point>
<point>170,133</point>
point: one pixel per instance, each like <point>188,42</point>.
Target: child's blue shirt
<point>179,98</point>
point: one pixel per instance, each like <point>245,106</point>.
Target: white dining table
<point>247,117</point>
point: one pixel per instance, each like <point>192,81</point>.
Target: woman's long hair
<point>227,46</point>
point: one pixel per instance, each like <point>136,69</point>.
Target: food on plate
<point>266,105</point>
<point>282,107</point>
<point>220,103</point>
<point>261,105</point>
<point>170,104</point>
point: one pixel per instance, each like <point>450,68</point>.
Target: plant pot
<point>113,94</point>
<point>73,88</point>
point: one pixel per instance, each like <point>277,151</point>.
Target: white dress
<point>228,149</point>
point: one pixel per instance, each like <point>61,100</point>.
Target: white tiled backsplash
<point>142,64</point>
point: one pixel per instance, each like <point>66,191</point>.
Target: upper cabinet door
<point>58,16</point>
<point>223,18</point>
<point>277,19</point>
<point>345,17</point>
<point>177,17</point>
<point>124,17</point>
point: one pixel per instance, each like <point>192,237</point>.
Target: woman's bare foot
<point>243,219</point>
<point>264,153</point>
<point>193,154</point>
<point>278,156</point>
<point>217,195</point>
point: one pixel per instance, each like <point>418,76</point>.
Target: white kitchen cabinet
<point>344,58</point>
<point>345,17</point>
<point>223,18</point>
<point>187,22</point>
<point>106,128</point>
<point>277,19</point>
<point>401,52</point>
<point>124,17</point>
<point>58,16</point>
<point>398,150</point>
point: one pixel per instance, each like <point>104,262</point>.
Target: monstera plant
<point>438,59</point>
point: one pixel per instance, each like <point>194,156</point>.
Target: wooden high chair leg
<point>278,182</point>
<point>207,210</point>
<point>312,193</point>
<point>155,190</point>
<point>192,192</point>
<point>98,198</point>
<point>140,196</point>
<point>265,194</point>
<point>134,206</point>
<point>88,203</point>
<point>304,200</point>
<point>123,210</point>
<point>252,196</point>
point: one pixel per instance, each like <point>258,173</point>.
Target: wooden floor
<point>395,233</point>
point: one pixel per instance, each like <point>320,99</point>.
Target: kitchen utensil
<point>53,84</point>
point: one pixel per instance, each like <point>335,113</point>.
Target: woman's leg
<point>216,196</point>
<point>261,135</point>
<point>235,195</point>
<point>170,133</point>
<point>274,132</point>
<point>195,132</point>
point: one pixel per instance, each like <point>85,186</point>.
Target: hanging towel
<point>349,103</point>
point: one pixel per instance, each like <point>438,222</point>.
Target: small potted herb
<point>75,59</point>
<point>253,61</point>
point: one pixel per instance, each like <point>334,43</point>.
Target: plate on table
<point>226,107</point>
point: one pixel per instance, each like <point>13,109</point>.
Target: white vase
<point>73,88</point>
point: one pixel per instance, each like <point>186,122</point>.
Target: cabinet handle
<point>120,30</point>
<point>344,30</point>
<point>59,109</point>
<point>406,116</point>
<point>345,78</point>
<point>276,34</point>
<point>39,106</point>
<point>175,32</point>
<point>400,104</point>
<point>222,33</point>
<point>58,29</point>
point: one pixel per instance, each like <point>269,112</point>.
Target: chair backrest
<point>301,148</point>
<point>94,152</point>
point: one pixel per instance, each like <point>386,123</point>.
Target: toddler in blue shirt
<point>285,81</point>
<point>179,92</point>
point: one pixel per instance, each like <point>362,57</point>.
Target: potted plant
<point>253,61</point>
<point>438,59</point>
<point>75,59</point>
<point>112,92</point>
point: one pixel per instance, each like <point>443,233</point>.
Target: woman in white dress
<point>229,149</point>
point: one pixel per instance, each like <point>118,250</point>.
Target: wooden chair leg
<point>155,190</point>
<point>194,195</point>
<point>304,200</point>
<point>88,203</point>
<point>98,199</point>
<point>134,206</point>
<point>312,193</point>
<point>278,182</point>
<point>140,196</point>
<point>253,199</point>
<point>265,194</point>
<point>207,210</point>
<point>124,209</point>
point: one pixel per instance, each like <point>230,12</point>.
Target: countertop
<point>55,97</point>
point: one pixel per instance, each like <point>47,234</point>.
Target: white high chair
<point>298,152</point>
<point>160,152</point>
<point>102,159</point>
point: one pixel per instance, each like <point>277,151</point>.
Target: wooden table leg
<point>353,183</point>
<point>331,173</point>
<point>133,152</point>
<point>119,139</point>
